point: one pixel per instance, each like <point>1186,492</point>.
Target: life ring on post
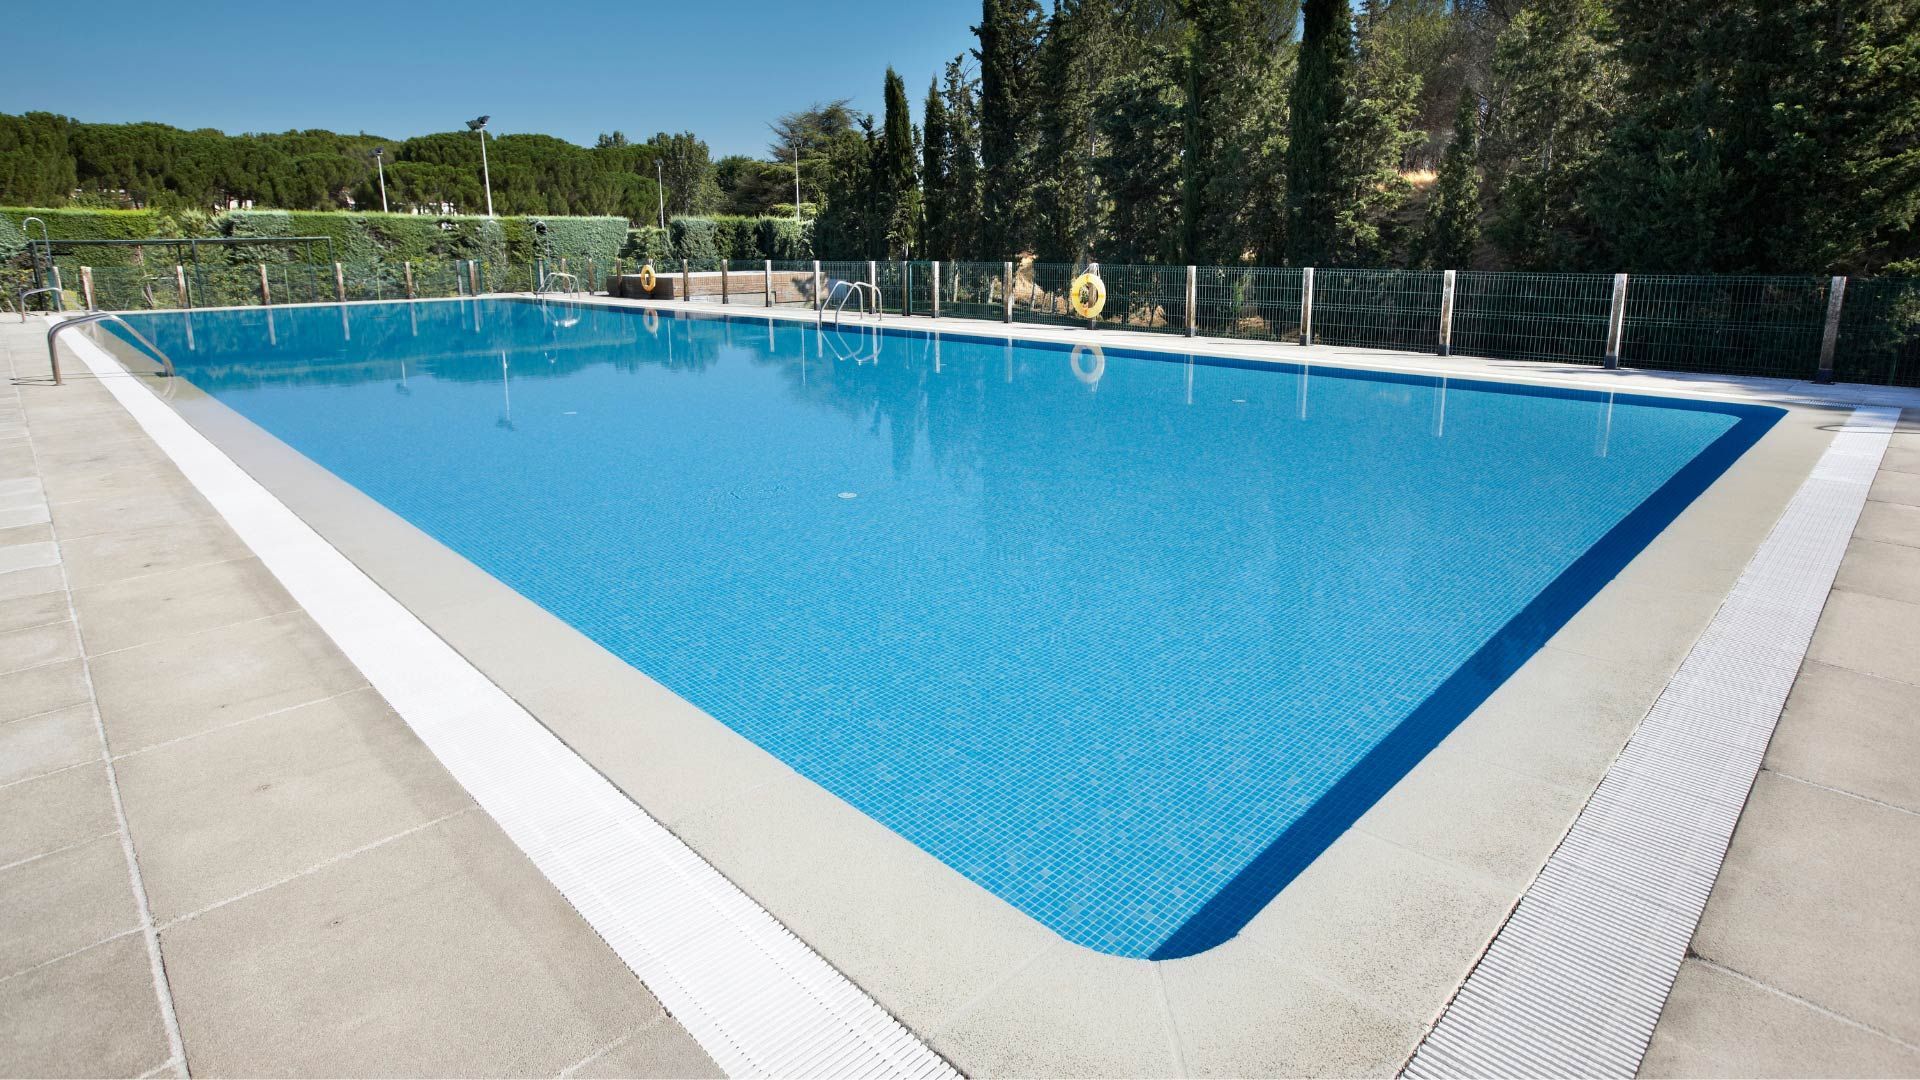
<point>1088,376</point>
<point>1089,294</point>
<point>646,277</point>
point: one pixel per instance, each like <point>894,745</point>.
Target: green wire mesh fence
<point>1735,325</point>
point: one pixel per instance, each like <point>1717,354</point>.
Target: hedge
<point>704,241</point>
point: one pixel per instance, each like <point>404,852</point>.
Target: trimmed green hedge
<point>704,241</point>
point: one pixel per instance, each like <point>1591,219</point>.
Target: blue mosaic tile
<point>1127,653</point>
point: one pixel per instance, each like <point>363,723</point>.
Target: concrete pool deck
<point>1342,973</point>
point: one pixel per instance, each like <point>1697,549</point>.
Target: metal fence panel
<point>1385,309</point>
<point>1879,332</point>
<point>1532,316</point>
<point>1248,302</point>
<point>1725,325</point>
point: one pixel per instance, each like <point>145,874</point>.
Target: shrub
<point>697,240</point>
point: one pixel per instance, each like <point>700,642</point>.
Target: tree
<point>963,178</point>
<point>895,183</point>
<point>804,140</point>
<point>1453,211</point>
<point>687,169</point>
<point>1233,160</point>
<point>1762,137</point>
<point>1009,34</point>
<point>1553,94</point>
<point>1317,107</point>
<point>936,234</point>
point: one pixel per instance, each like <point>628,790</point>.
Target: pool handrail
<point>854,288</point>
<point>53,332</point>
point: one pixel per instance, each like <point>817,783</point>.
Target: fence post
<point>1446,313</point>
<point>86,286</point>
<point>407,265</point>
<point>340,282</point>
<point>1616,321</point>
<point>819,300</point>
<point>769,282</point>
<point>725,292</point>
<point>179,283</point>
<point>936,288</point>
<point>1193,300</point>
<point>473,277</point>
<point>1306,305</point>
<point>1006,296</point>
<point>906,291</point>
<point>266,289</point>
<point>1830,337</point>
<point>873,279</point>
<point>686,280</point>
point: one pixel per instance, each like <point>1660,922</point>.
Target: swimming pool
<point>1125,638</point>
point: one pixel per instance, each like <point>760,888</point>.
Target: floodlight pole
<point>379,164</point>
<point>796,181</point>
<point>660,191</point>
<point>486,181</point>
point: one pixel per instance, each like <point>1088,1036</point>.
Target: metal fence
<point>1862,330</point>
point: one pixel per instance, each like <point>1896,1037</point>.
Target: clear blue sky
<point>719,68</point>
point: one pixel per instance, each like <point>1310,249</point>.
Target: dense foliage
<point>1718,135</point>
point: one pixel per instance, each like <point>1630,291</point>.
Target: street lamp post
<point>379,164</point>
<point>480,127</point>
<point>660,191</point>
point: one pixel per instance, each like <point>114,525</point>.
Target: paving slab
<point>1896,487</point>
<point>109,557</point>
<point>1503,827</point>
<point>63,902</point>
<point>1877,569</point>
<point>43,689</point>
<point>1889,523</point>
<point>37,609</point>
<point>1717,1024</point>
<point>1069,1012</point>
<point>37,533</point>
<point>54,811</point>
<point>1870,634</point>
<point>1903,456</point>
<point>40,577</point>
<point>177,603</point>
<point>91,1014</point>
<point>1395,928</point>
<point>1855,732</point>
<point>244,806</point>
<point>40,744</point>
<point>36,645</point>
<point>662,1049</point>
<point>1817,898</point>
<point>143,510</point>
<point>1246,1014</point>
<point>443,952</point>
<point>183,686</point>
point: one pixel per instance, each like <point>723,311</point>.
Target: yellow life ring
<point>646,277</point>
<point>1089,306</point>
<point>651,320</point>
<point>1089,376</point>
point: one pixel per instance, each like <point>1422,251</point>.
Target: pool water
<point>1125,638</point>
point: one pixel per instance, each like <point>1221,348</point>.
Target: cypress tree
<point>1318,105</point>
<point>1009,34</point>
<point>897,196</point>
<point>936,237</point>
<point>963,213</point>
<point>1453,212</point>
<point>1231,159</point>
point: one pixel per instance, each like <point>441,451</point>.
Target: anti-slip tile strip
<point>1574,983</point>
<point>756,998</point>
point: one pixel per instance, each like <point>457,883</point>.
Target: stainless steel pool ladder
<point>53,332</point>
<point>546,283</point>
<point>853,288</point>
<point>20,299</point>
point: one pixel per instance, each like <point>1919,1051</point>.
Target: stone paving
<point>222,851</point>
<point>1807,960</point>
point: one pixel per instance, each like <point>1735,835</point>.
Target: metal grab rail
<point>20,299</point>
<point>854,288</point>
<point>53,332</point>
<point>546,283</point>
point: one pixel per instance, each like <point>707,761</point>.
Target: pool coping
<point>1047,1006</point>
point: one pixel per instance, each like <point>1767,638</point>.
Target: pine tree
<point>1009,34</point>
<point>1234,152</point>
<point>1453,211</point>
<point>1318,106</point>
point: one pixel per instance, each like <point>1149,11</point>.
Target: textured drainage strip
<point>755,997</point>
<point>1576,980</point>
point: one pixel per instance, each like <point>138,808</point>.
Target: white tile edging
<point>755,997</point>
<point>1575,982</point>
